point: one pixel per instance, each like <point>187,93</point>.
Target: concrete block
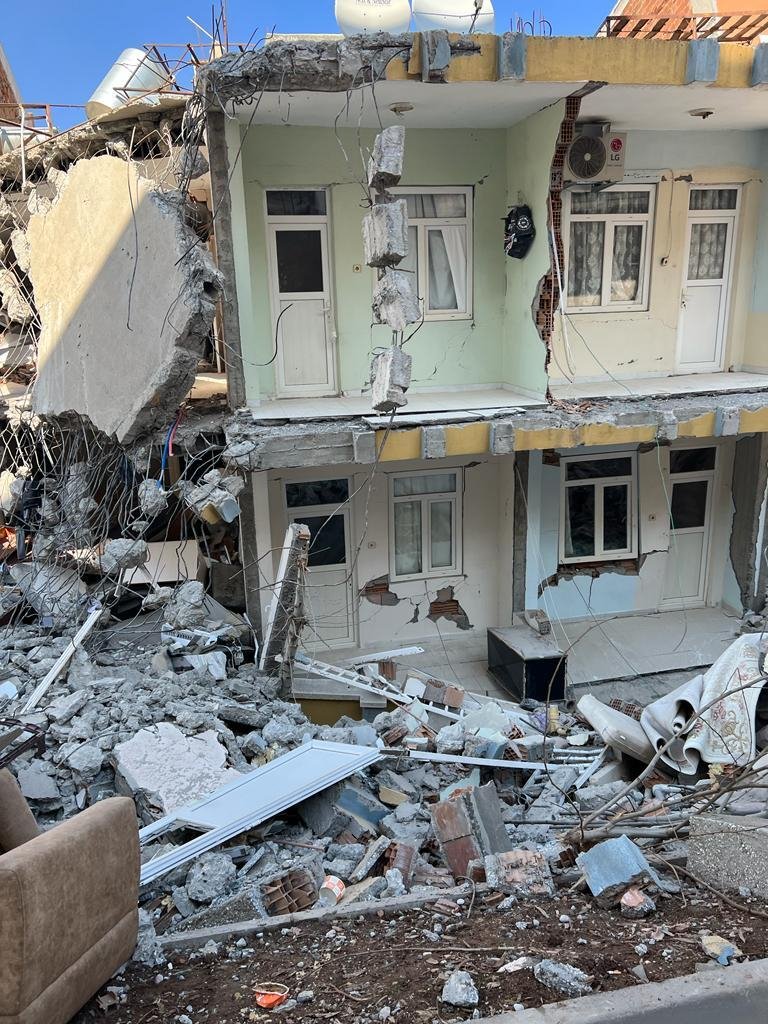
<point>385,167</point>
<point>727,421</point>
<point>395,301</point>
<point>435,55</point>
<point>364,447</point>
<point>520,873</point>
<point>385,234</point>
<point>729,851</point>
<point>612,867</point>
<point>760,66</point>
<point>512,56</point>
<point>391,377</point>
<point>703,62</point>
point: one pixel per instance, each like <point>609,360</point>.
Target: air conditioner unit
<point>595,158</point>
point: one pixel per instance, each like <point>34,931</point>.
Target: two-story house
<point>586,424</point>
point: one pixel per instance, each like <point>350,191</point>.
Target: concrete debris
<point>170,769</point>
<point>211,875</point>
<point>636,904</point>
<point>720,949</point>
<point>469,826</point>
<point>124,554</point>
<point>564,978</point>
<point>612,866</point>
<point>53,591</point>
<point>148,950</point>
<point>214,498</point>
<point>385,167</point>
<point>187,605</point>
<point>13,300</point>
<point>520,873</point>
<point>460,990</point>
<point>391,378</point>
<point>385,233</point>
<point>395,301</point>
<point>152,498</point>
<point>730,852</point>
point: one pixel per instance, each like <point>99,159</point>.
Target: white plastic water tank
<point>364,17</point>
<point>134,70</point>
<point>453,15</point>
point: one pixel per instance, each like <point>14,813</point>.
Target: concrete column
<point>749,536</point>
<point>520,542</point>
<point>222,210</point>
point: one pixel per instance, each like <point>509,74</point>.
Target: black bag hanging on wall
<point>519,232</point>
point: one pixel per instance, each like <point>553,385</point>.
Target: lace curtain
<point>585,263</point>
<point>706,258</point>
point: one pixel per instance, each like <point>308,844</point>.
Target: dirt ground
<point>356,967</point>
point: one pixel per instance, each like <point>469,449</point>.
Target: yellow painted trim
<point>400,445</point>
<point>475,67</point>
<point>471,439</point>
<point>735,70</point>
<point>754,421</point>
<point>617,61</point>
<point>587,435</point>
<point>698,426</point>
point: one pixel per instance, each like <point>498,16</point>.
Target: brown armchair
<point>68,905</point>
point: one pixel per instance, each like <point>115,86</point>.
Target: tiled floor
<point>685,384</point>
<point>621,647</point>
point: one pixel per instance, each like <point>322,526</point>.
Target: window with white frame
<point>597,517</point>
<point>609,245</point>
<point>440,249</point>
<point>425,524</point>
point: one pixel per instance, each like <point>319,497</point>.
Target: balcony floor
<point>646,387</point>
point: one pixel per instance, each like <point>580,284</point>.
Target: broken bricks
<point>613,866</point>
<point>468,826</point>
<point>289,892</point>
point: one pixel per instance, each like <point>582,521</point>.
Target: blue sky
<point>60,51</point>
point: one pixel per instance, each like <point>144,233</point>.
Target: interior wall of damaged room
<point>591,345</point>
<point>386,610</point>
<point>530,149</point>
<point>446,354</point>
<point>646,583</point>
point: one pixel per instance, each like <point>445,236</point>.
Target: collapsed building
<point>341,459</point>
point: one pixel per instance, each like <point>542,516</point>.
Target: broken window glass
<point>299,261</point>
<point>616,517</point>
<point>590,469</point>
<point>285,202</point>
<point>689,504</point>
<point>316,492</point>
<point>691,460</point>
<point>328,543</point>
<point>580,522</point>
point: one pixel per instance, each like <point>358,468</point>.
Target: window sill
<point>446,574</point>
<point>610,312</point>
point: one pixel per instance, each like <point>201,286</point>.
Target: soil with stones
<point>377,968</point>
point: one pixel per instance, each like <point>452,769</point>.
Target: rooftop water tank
<point>452,15</point>
<point>364,17</point>
<point>135,71</point>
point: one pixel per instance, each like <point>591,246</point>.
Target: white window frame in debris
<point>606,297</point>
<point>599,484</point>
<point>440,236</point>
<point>417,494</point>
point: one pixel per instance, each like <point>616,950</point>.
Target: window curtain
<point>438,204</point>
<point>447,251</point>
<point>713,199</point>
<point>625,272</point>
<point>706,259</point>
<point>585,262</point>
<point>407,537</point>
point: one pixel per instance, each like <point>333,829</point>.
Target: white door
<point>707,279</point>
<point>692,472</point>
<point>329,595</point>
<point>302,315</point>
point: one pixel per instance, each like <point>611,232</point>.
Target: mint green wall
<point>445,354</point>
<point>530,148</point>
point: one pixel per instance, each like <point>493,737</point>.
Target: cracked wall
<point>126,295</point>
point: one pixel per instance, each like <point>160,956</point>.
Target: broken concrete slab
<point>613,866</point>
<point>519,873</point>
<point>385,167</point>
<point>565,978</point>
<point>52,590</point>
<point>170,768</point>
<point>729,851</point>
<point>391,372</point>
<point>115,249</point>
<point>395,301</point>
<point>385,233</point>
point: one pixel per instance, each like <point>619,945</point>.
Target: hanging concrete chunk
<point>385,234</point>
<point>395,301</point>
<point>391,377</point>
<point>118,279</point>
<point>386,164</point>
